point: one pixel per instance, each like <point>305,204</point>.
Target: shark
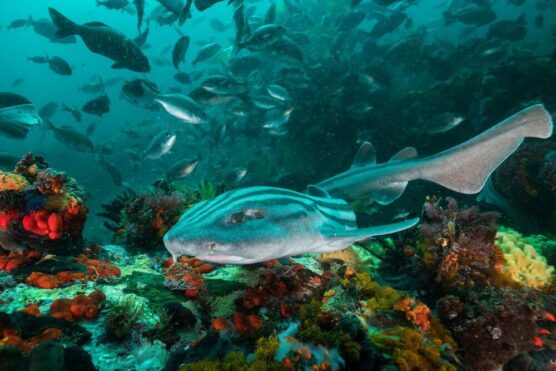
<point>254,224</point>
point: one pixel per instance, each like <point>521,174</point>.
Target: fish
<point>59,66</point>
<point>71,138</point>
<point>113,4</point>
<point>463,168</point>
<point>140,9</point>
<point>256,224</point>
<point>262,37</point>
<point>443,123</point>
<point>17,23</point>
<point>235,176</point>
<point>18,81</point>
<point>550,156</point>
<point>73,111</point>
<point>206,52</point>
<point>94,86</point>
<point>278,92</point>
<point>97,106</point>
<point>91,128</point>
<point>472,15</point>
<point>160,145</point>
<point>183,77</point>
<point>182,107</point>
<point>512,30</point>
<point>104,40</point>
<point>112,171</point>
<point>223,85</point>
<point>182,169</point>
<point>142,38</point>
<point>46,28</point>
<point>179,51</point>
<point>56,64</point>
<point>217,25</point>
<point>270,14</point>
<point>48,110</point>
<point>17,116</point>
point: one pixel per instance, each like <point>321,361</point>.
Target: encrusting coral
<point>40,208</point>
<point>524,264</point>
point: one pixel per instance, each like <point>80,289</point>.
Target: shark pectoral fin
<point>316,191</point>
<point>389,194</point>
<point>366,155</point>
<point>340,239</point>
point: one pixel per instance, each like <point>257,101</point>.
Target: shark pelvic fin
<point>366,155</point>
<point>389,194</point>
<point>340,239</point>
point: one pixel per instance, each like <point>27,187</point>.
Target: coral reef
<point>528,179</point>
<point>40,208</point>
<point>523,263</point>
<point>139,221</point>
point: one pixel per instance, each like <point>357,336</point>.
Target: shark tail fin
<point>65,26</point>
<point>466,167</point>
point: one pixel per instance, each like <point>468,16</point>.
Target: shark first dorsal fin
<point>315,191</point>
<point>366,155</point>
<point>405,154</point>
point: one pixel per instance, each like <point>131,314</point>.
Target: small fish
<point>104,40</point>
<point>208,51</point>
<point>183,77</point>
<point>71,138</point>
<point>182,169</point>
<point>38,59</point>
<point>217,25</point>
<point>48,110</point>
<point>59,66</point>
<point>140,8</point>
<point>97,106</point>
<point>113,4</point>
<point>160,145</point>
<point>262,37</point>
<point>91,128</point>
<point>275,118</point>
<point>114,173</point>
<point>179,51</point>
<point>94,86</point>
<point>18,81</point>
<point>142,38</point>
<point>442,123</point>
<point>279,93</point>
<point>73,111</point>
<point>223,85</point>
<point>17,23</point>
<point>235,176</point>
<point>182,107</point>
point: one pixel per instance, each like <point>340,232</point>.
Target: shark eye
<point>238,218</point>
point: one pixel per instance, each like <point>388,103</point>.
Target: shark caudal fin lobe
<point>64,26</point>
<point>394,190</point>
<point>340,239</point>
<point>466,167</point>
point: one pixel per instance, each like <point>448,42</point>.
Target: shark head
<point>251,225</point>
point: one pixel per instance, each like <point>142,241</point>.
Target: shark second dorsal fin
<point>315,191</point>
<point>366,155</point>
<point>404,154</point>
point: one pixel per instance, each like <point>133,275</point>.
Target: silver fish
<point>160,145</point>
<point>182,107</point>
